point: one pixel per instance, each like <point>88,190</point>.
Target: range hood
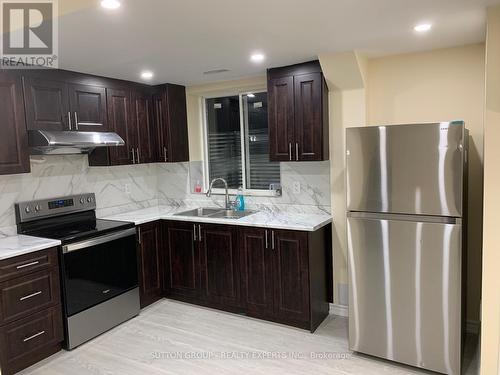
<point>53,142</point>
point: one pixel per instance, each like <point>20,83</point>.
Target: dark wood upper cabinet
<point>298,113</point>
<point>152,120</point>
<point>120,121</point>
<point>181,259</point>
<point>14,157</point>
<point>142,120</point>
<point>308,120</point>
<point>170,115</point>
<point>219,264</point>
<point>149,263</point>
<point>47,104</point>
<point>281,118</point>
<point>256,271</point>
<point>88,107</point>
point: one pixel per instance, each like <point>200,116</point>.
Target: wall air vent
<point>216,71</point>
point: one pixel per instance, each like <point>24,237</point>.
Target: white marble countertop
<point>264,219</point>
<point>13,246</point>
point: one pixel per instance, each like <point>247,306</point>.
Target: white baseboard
<point>471,326</point>
<point>339,310</point>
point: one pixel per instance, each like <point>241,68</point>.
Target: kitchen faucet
<point>209,192</point>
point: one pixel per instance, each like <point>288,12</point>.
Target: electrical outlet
<point>296,187</point>
<point>126,188</point>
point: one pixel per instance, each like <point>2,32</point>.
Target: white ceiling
<point>180,39</point>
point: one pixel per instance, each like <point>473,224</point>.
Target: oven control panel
<point>28,211</point>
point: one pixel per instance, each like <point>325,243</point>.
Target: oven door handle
<point>98,240</point>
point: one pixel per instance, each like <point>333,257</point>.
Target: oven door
<point>98,269</point>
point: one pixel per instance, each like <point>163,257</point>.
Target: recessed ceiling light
<point>257,57</point>
<point>251,95</point>
<point>147,74</point>
<point>423,27</point>
<point>110,4</point>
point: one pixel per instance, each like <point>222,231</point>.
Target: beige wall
<point>346,110</point>
<point>490,317</point>
<point>344,73</point>
<point>434,86</point>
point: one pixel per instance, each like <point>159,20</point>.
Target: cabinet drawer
<point>24,264</point>
<point>28,294</point>
<point>31,339</point>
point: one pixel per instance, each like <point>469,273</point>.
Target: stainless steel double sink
<point>215,213</point>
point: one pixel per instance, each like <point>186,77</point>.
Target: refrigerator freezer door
<point>410,169</point>
<point>405,291</point>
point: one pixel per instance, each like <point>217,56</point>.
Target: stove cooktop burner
<point>71,228</point>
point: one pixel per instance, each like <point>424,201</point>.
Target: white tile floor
<point>175,338</point>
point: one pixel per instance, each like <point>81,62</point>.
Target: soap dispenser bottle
<point>240,200</point>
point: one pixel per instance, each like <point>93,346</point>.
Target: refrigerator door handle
<point>404,217</point>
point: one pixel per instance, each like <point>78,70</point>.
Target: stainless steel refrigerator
<point>405,229</point>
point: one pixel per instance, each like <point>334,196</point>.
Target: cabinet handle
<point>138,156</point>
<point>290,150</point>
<point>194,232</point>
<point>272,239</point>
<point>69,120</point>
<point>139,235</point>
<point>267,242</point>
<point>34,336</point>
<point>297,151</point>
<point>199,232</point>
<point>165,153</point>
<point>27,265</point>
<point>30,295</point>
<point>76,121</point>
<point>133,156</point>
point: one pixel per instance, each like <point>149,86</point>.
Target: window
<point>238,142</point>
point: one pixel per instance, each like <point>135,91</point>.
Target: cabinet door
<point>149,263</point>
<point>14,156</point>
<point>291,276</point>
<point>178,144</point>
<point>220,275</point>
<point>170,121</point>
<point>162,136</point>
<point>142,120</point>
<point>182,262</point>
<point>88,107</point>
<point>47,104</point>
<point>120,121</point>
<point>308,117</point>
<point>256,271</point>
<point>281,119</point>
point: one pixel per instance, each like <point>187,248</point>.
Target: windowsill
<point>247,193</point>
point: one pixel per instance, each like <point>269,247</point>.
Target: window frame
<point>206,178</point>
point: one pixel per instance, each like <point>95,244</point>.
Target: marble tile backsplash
<point>176,185</point>
<point>117,188</point>
<point>124,188</point>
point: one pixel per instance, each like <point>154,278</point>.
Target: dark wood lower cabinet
<point>291,275</point>
<point>149,263</point>
<point>181,260</point>
<point>284,275</point>
<point>219,265</point>
<point>30,340</point>
<point>31,326</point>
<point>277,275</point>
<point>256,272</point>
